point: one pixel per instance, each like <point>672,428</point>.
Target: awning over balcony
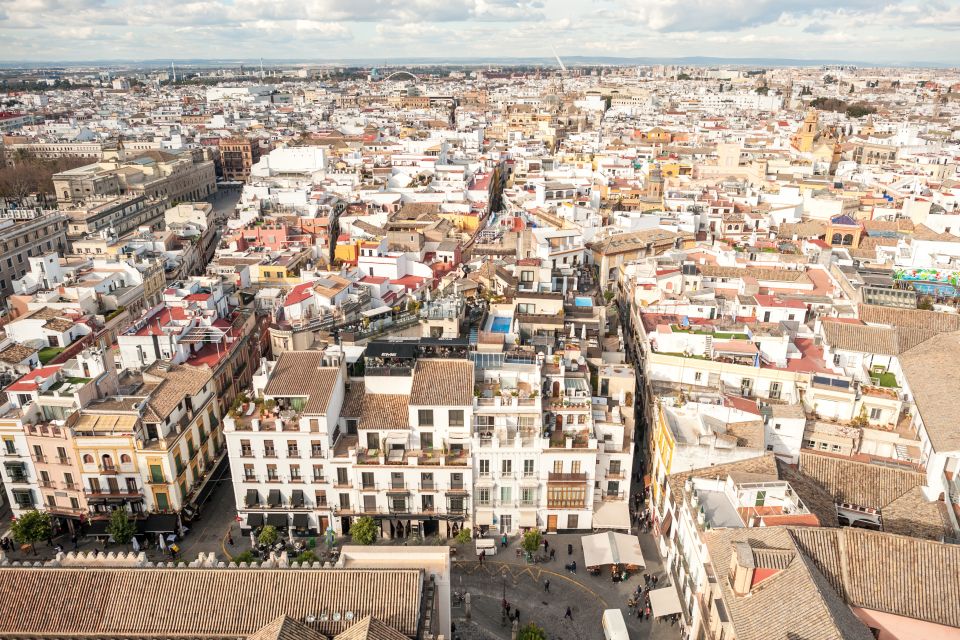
<point>528,517</point>
<point>296,498</point>
<point>665,601</point>
<point>484,518</point>
<point>254,520</point>
<point>278,520</point>
<point>273,498</point>
<point>253,497</point>
<point>614,514</point>
<point>611,548</point>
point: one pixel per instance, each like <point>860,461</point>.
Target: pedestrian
<point>552,554</point>
<point>568,614</point>
<point>481,554</point>
<point>503,540</point>
<point>508,611</point>
<point>546,545</point>
<point>230,538</point>
<point>569,549</point>
<point>516,614</point>
<point>546,586</point>
<point>75,542</point>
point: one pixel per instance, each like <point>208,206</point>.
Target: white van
<point>614,626</point>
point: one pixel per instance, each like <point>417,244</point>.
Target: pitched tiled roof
<point>284,628</point>
<point>623,242</point>
<point>795,602</point>
<point>445,383</point>
<point>209,603</point>
<point>909,318</point>
<point>175,382</point>
<point>760,273</point>
<point>301,373</point>
<point>885,572</point>
<point>932,369</point>
<point>384,411</point>
<point>863,338</point>
<point>371,629</point>
<point>859,483</point>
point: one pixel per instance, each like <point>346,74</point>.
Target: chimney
<point>742,567</point>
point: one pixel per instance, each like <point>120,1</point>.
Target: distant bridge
<point>404,75</point>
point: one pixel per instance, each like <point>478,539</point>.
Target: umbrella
<point>162,544</point>
<point>136,544</point>
<point>583,334</point>
<point>573,330</point>
<point>253,540</point>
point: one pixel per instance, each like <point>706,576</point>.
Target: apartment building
<point>29,234</point>
<point>425,442</point>
<point>112,217</point>
<point>237,157</point>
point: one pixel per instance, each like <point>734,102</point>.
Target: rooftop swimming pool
<point>500,324</point>
<point>583,301</point>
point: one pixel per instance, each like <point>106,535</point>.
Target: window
<point>373,440</point>
<point>484,467</point>
<point>317,473</point>
<point>775,390</point>
<point>456,417</point>
<point>320,497</point>
<point>572,521</point>
<point>345,501</point>
<point>366,480</point>
<point>11,448</point>
<point>425,417</point>
<point>316,449</point>
<point>614,468</point>
<point>876,413</point>
<point>697,376</point>
<point>528,468</point>
<point>426,441</point>
<point>272,473</point>
<point>506,493</point>
<point>245,449</point>
<point>124,459</point>
<point>292,449</point>
<point>506,467</point>
<point>342,475</point>
<point>558,466</point>
<point>483,496</point>
<point>370,503</point>
<point>575,466</point>
<point>835,448</point>
<point>295,473</point>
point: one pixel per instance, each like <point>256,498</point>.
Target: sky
<point>876,31</point>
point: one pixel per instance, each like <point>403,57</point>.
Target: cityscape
<point>532,341</point>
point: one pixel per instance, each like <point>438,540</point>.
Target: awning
<point>273,498</point>
<point>301,521</point>
<point>278,520</point>
<point>161,523</point>
<point>614,514</point>
<point>665,602</point>
<point>484,518</point>
<point>254,520</point>
<point>296,499</point>
<point>611,548</point>
<point>97,528</point>
<point>253,497</point>
<point>528,517</point>
<point>405,350</point>
<point>379,311</point>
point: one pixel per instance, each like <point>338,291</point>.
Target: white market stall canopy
<point>664,602</point>
<point>613,514</point>
<point>611,548</point>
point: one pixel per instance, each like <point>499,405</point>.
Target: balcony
<point>119,492</point>
<point>395,487</point>
<point>566,477</point>
<point>63,460</point>
<point>157,480</point>
<point>428,486</point>
<point>39,458</point>
<point>108,469</point>
<point>48,484</point>
<point>368,486</point>
<point>71,486</point>
<point>19,479</point>
<point>293,453</point>
<point>65,511</point>
<point>316,452</point>
<point>246,452</point>
<point>344,484</point>
<point>269,453</point>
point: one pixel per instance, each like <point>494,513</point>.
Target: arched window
<point>837,239</point>
<point>124,459</point>
<point>848,240</point>
<point>107,461</point>
<point>88,459</point>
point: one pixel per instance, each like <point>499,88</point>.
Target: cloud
<point>728,15</point>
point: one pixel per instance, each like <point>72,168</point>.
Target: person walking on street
<point>552,554</point>
<point>546,586</point>
<point>230,538</point>
<point>546,545</point>
<point>516,615</point>
<point>568,614</point>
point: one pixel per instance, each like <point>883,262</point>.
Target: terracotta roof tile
<point>445,383</point>
<point>301,373</point>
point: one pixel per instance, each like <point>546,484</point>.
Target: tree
<point>530,631</point>
<point>120,527</point>
<point>531,541</point>
<point>364,530</point>
<point>268,535</point>
<point>683,76</point>
<point>245,557</point>
<point>32,527</point>
<point>464,536</point>
<point>307,557</point>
